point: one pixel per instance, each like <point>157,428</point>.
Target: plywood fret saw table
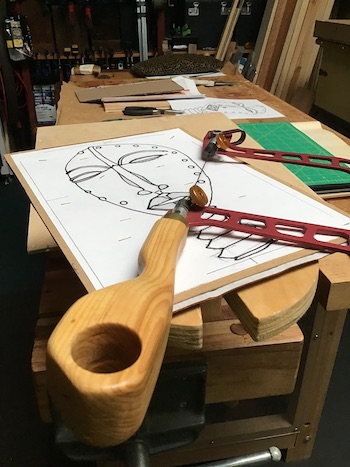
<point>258,393</point>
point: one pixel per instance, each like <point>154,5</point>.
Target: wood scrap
<point>289,46</point>
<point>264,33</point>
<point>274,43</point>
<point>231,22</point>
<point>299,54</point>
<point>307,49</point>
<point>253,305</point>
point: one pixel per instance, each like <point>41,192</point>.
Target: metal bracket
<point>195,10</point>
<point>225,10</point>
<point>246,9</point>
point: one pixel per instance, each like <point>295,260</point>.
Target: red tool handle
<point>71,13</point>
<point>298,233</point>
<point>88,16</point>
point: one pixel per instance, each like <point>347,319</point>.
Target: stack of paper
<point>129,90</point>
<point>188,90</point>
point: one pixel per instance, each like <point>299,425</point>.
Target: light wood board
<point>48,137</point>
<point>228,29</point>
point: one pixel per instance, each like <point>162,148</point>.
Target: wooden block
<point>247,371</point>
<point>334,282</point>
<point>272,305</point>
<point>212,309</point>
<point>240,368</point>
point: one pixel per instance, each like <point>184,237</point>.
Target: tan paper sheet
<point>142,88</point>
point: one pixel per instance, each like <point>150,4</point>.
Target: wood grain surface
<point>104,357</point>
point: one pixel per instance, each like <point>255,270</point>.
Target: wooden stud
<point>334,282</point>
<point>308,400</point>
<point>264,34</point>
<point>289,47</point>
<point>231,22</point>
<point>273,48</point>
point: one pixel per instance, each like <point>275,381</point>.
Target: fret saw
<point>105,355</point>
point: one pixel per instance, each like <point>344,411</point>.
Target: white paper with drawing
<point>233,108</point>
<point>103,198</point>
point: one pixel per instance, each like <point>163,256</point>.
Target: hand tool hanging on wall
<point>71,13</point>
<point>88,21</point>
<point>15,49</point>
<point>48,4</point>
<point>9,109</point>
<point>17,34</point>
<point>88,16</point>
<point>142,28</point>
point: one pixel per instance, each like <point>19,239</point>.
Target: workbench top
<point>276,293</point>
<point>70,110</point>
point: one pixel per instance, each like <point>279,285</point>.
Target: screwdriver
<point>210,83</point>
<point>135,110</point>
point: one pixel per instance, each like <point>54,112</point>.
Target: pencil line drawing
<point>114,173</point>
<point>233,108</point>
<point>225,244</point>
<point>100,200</point>
<point>142,169</point>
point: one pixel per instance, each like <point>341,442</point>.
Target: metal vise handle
<point>259,458</point>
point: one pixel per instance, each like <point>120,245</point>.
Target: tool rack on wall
<point>65,34</point>
<point>103,32</point>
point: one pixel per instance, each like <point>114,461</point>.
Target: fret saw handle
<point>104,356</point>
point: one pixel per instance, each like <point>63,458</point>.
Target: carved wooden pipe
<point>104,356</point>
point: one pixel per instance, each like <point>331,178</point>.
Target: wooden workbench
<point>281,383</point>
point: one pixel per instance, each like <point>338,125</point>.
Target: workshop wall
<point>341,9</point>
<point>104,30</point>
<point>64,34</point>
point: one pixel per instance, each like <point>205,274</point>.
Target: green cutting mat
<point>283,136</point>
